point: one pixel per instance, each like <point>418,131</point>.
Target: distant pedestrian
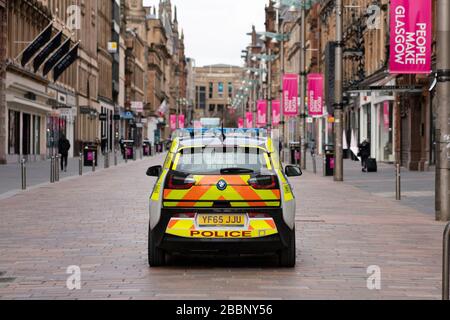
<point>364,153</point>
<point>63,148</point>
<point>312,147</point>
<point>280,146</point>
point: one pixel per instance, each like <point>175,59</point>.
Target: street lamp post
<point>443,93</point>
<point>338,111</point>
<point>303,88</point>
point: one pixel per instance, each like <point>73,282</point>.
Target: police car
<point>222,191</point>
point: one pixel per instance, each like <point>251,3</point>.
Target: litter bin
<point>128,149</point>
<point>147,148</point>
<point>295,153</point>
<point>89,150</point>
<point>328,161</point>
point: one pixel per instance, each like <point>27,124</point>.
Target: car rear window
<point>210,160</point>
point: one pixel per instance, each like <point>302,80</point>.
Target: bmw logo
<point>222,185</point>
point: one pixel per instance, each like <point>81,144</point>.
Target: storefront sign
<point>276,112</point>
<point>173,122</point>
<point>315,95</point>
<point>103,117</point>
<point>137,106</point>
<point>290,95</point>
<point>249,120</point>
<point>411,37</point>
<point>261,118</point>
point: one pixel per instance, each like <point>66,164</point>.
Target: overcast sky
<point>215,30</point>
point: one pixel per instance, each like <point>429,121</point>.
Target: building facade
<point>216,86</point>
<point>396,113</point>
<point>3,34</point>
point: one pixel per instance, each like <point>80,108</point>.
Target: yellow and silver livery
<point>222,191</point>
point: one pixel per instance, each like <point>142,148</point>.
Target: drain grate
<point>5,279</point>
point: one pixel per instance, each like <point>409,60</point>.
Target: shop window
<point>13,132</point>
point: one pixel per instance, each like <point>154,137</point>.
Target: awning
<point>28,103</point>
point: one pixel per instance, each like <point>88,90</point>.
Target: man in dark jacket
<point>64,147</point>
<point>364,153</point>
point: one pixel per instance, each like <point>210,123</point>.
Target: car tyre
<point>156,256</point>
<point>288,255</point>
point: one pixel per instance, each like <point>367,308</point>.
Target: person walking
<point>364,153</point>
<point>63,148</point>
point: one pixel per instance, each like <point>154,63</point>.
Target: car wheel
<point>156,256</point>
<point>288,255</point>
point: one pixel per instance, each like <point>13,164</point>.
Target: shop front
<point>26,115</point>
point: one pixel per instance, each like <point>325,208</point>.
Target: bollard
<point>134,154</point>
<point>115,157</point>
<point>105,160</point>
<point>80,164</point>
<point>314,163</point>
<point>398,186</point>
<point>52,169</point>
<point>445,264</point>
<point>324,165</point>
<point>23,170</point>
<point>141,153</point>
<point>57,163</point>
<point>93,162</point>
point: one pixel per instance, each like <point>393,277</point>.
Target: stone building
<point>26,93</point>
<point>166,68</point>
<point>3,33</point>
<point>216,85</point>
<point>395,112</point>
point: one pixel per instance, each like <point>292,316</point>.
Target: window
<point>13,132</point>
<point>230,90</point>
<point>201,97</point>
<point>211,90</point>
<point>220,89</point>
<point>212,107</point>
<point>211,160</point>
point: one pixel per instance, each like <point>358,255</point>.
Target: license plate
<point>216,220</point>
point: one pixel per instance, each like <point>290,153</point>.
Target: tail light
<point>264,182</point>
<point>175,182</point>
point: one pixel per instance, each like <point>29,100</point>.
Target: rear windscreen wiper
<point>236,171</point>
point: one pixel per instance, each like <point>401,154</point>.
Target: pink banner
<point>241,123</point>
<point>411,37</point>
<point>181,121</point>
<point>276,112</point>
<point>315,95</point>
<point>249,120</point>
<point>261,118</point>
<point>290,95</point>
<point>386,113</point>
<point>173,122</point>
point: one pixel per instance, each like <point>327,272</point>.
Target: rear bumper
<point>268,244</point>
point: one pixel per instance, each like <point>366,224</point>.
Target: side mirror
<point>293,171</point>
<point>155,171</point>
